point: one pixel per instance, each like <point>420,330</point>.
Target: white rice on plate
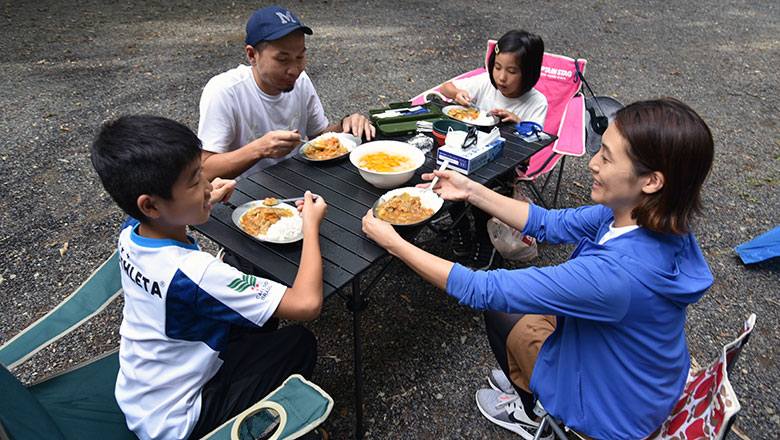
<point>285,229</point>
<point>484,118</point>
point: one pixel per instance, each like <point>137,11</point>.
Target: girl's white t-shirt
<point>531,106</point>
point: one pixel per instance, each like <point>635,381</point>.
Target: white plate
<point>248,206</point>
<point>431,201</point>
<point>346,139</point>
<point>484,119</point>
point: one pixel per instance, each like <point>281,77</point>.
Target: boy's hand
<point>221,190</point>
<point>312,211</point>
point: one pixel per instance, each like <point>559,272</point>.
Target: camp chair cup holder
<point>293,409</point>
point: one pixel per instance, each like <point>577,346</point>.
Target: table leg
<point>356,305</point>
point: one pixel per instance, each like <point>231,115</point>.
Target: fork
<point>232,206</point>
<point>291,199</point>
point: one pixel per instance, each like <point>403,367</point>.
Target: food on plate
<point>270,201</point>
<point>382,162</point>
<point>257,221</point>
<point>326,148</point>
<point>463,113</point>
<point>403,209</point>
<point>287,228</point>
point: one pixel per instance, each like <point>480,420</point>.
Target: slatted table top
<point>346,252</point>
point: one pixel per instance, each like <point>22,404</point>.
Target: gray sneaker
<point>506,411</point>
<point>499,382</point>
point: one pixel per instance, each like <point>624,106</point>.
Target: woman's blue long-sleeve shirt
<point>617,361</point>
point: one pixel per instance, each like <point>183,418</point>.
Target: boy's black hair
<point>137,155</point>
<point>529,50</point>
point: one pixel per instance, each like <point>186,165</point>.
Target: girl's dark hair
<point>137,155</point>
<point>529,51</point>
<point>666,135</point>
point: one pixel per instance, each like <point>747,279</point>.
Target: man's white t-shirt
<point>234,111</point>
<point>179,305</point>
<point>531,106</point>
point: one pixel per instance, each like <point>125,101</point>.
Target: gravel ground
<point>68,66</point>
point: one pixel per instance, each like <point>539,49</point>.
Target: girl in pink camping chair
<point>599,340</point>
<point>505,90</point>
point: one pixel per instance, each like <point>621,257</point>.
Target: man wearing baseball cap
<point>254,116</point>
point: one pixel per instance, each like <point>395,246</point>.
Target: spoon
<point>290,200</point>
<point>435,177</point>
<point>293,199</point>
<point>473,104</point>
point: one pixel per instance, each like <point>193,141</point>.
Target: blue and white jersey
<point>179,305</point>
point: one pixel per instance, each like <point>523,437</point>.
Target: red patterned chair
<point>707,407</point>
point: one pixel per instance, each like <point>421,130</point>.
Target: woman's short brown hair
<point>666,135</point>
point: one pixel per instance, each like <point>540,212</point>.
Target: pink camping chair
<point>424,97</point>
<point>560,83</point>
<point>707,407</point>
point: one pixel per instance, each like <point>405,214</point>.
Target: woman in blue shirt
<point>599,339</point>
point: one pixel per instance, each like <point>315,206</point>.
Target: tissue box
<point>468,161</point>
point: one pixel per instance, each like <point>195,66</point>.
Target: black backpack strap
<point>599,123</point>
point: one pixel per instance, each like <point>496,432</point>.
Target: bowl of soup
<point>386,164</point>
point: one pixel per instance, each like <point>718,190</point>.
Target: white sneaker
<point>506,411</point>
<point>499,382</point>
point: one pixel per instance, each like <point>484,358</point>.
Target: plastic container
<point>442,126</point>
<point>439,138</point>
<point>404,123</point>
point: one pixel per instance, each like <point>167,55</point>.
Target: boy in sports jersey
<point>193,350</point>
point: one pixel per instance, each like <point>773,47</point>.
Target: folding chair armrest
<point>89,299</point>
<point>534,173</point>
<point>552,423</point>
<point>300,404</point>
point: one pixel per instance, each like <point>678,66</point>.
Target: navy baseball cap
<point>272,23</point>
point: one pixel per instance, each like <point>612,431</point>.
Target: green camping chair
<point>79,402</point>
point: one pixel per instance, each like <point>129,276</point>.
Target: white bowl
<point>392,179</point>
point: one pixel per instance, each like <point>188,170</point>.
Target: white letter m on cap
<point>286,18</point>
